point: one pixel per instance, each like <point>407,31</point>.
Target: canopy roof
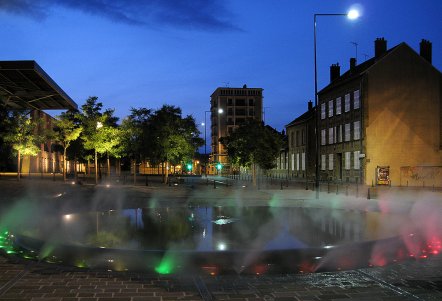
<point>25,85</point>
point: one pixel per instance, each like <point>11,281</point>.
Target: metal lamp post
<point>99,126</point>
<point>205,143</point>
<point>352,14</point>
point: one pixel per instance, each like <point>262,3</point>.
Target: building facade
<point>380,122</point>
<point>229,108</point>
<point>301,145</point>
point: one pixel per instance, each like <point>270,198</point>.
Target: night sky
<point>148,53</point>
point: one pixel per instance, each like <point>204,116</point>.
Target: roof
<point>25,85</point>
<point>357,71</point>
<point>304,117</point>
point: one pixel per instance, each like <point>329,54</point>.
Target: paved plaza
<point>20,279</point>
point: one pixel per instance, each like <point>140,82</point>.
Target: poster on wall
<point>383,175</point>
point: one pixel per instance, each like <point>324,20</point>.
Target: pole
<point>316,104</point>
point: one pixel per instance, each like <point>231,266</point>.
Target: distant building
<point>380,122</point>
<point>301,145</point>
<point>230,107</point>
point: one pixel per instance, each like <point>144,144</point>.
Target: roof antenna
<point>365,55</point>
<point>227,84</point>
<point>356,47</point>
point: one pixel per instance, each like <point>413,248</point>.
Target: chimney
<point>352,63</point>
<point>335,72</point>
<point>380,47</point>
<point>310,105</point>
<point>426,50</point>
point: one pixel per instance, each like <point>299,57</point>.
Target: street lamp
<point>220,111</point>
<point>352,14</point>
<point>205,142</point>
<point>99,126</point>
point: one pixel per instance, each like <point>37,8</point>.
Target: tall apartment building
<point>230,107</point>
<point>380,122</point>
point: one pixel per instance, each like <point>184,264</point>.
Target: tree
<point>99,133</point>
<point>23,136</point>
<point>134,136</point>
<point>66,130</point>
<point>253,144</point>
<point>171,138</point>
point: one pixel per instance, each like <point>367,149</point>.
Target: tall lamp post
<point>352,14</point>
<point>205,143</point>
<point>99,126</point>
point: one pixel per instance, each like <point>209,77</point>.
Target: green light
<point>219,166</point>
<point>166,266</point>
<point>189,166</point>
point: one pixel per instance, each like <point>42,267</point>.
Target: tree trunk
<point>166,173</point>
<point>108,168</point>
<point>18,166</point>
<point>64,164</point>
<point>75,169</point>
<point>254,174</point>
<point>135,172</point>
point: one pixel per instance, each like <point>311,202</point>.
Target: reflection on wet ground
<point>214,240</point>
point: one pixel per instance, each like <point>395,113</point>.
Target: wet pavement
<point>20,279</point>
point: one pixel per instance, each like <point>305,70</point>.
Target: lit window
<point>297,161</point>
<point>347,103</point>
<point>323,163</point>
<point>356,102</point>
<point>293,162</point>
<point>330,108</point>
<point>323,137</point>
<point>330,161</point>
<point>323,111</point>
<point>356,130</point>
<point>339,134</point>
<point>330,136</point>
<point>356,163</point>
<point>347,132</point>
<point>338,106</point>
<point>347,160</point>
<point>303,161</point>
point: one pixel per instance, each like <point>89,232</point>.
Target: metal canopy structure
<point>25,85</point>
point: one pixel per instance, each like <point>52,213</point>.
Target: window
<point>240,102</point>
<point>347,102</point>
<point>347,160</point>
<point>330,108</point>
<point>356,102</point>
<point>297,138</point>
<point>323,163</point>
<point>347,132</point>
<point>323,137</point>
<point>356,163</point>
<point>330,136</point>
<point>251,102</point>
<point>339,133</point>
<point>230,111</point>
<point>303,161</point>
<point>323,111</point>
<point>292,139</point>
<point>229,102</point>
<point>330,161</point>
<point>293,162</point>
<point>338,106</point>
<point>297,161</point>
<point>356,130</point>
<point>251,112</point>
<point>303,137</point>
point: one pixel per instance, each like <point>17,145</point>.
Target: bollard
<point>337,188</point>
<point>207,182</point>
<point>368,193</point>
<point>281,185</point>
<point>147,181</point>
<point>346,189</point>
<point>328,186</point>
<point>357,190</point>
<point>214,184</point>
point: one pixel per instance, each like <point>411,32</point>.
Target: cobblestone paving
<point>26,280</point>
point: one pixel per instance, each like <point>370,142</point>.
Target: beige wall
<point>402,114</point>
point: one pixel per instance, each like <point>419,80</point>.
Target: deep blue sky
<point>152,52</point>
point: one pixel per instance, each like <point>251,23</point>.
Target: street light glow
<point>220,111</point>
<point>353,14</point>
